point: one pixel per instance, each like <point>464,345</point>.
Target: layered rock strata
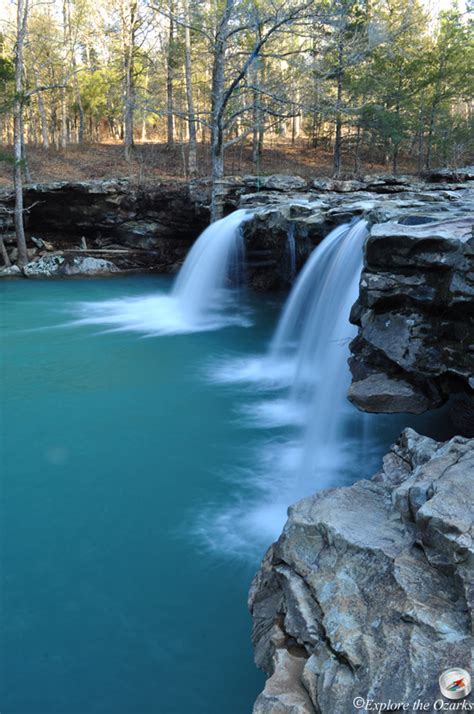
<point>369,592</point>
<point>415,345</point>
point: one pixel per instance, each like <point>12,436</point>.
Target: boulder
<point>59,266</point>
<point>369,591</point>
<point>88,266</point>
<point>10,272</point>
<point>464,173</point>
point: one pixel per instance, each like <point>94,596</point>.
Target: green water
<point>112,445</point>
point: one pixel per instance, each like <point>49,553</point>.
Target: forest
<point>364,82</point>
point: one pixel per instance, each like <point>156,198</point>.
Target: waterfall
<point>305,295</point>
<point>291,250</point>
<point>322,441</point>
<point>215,258</point>
<point>322,376</point>
<point>201,297</point>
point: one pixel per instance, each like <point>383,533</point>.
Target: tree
<point>21,29</point>
<point>264,26</point>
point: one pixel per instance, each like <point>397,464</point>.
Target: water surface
<point>113,448</point>
<point>144,475</point>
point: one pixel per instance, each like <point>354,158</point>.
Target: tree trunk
<point>80,109</point>
<point>192,155</point>
<point>429,143</point>
<point>128,49</point>
<point>217,110</point>
<point>22,14</point>
<point>357,151</point>
<point>255,122</point>
<point>63,132</point>
<point>43,121</point>
<point>338,139</point>
<point>3,251</point>
<point>24,159</point>
<point>169,80</point>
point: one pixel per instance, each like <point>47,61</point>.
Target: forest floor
<point>155,161</point>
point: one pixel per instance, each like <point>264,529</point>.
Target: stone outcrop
<point>58,265</point>
<point>369,592</point>
<point>308,215</point>
<point>154,226</point>
<point>415,313</point>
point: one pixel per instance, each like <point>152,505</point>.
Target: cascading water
<point>309,355</point>
<point>201,298</point>
<point>315,437</point>
<point>291,250</point>
<point>311,343</point>
<point>304,298</point>
<point>322,374</point>
<point>216,256</point>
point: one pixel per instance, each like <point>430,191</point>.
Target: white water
<point>203,296</point>
<point>308,355</point>
<point>322,374</point>
<point>291,249</point>
<point>214,259</point>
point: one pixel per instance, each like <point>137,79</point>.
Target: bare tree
<point>128,19</point>
<point>170,78</point>
<point>264,28</point>
<point>21,29</point>
<point>192,156</point>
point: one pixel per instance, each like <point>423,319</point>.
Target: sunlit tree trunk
<point>21,25</point>
<point>128,12</point>
<point>217,111</point>
<point>169,80</point>
<point>192,147</point>
<point>338,138</point>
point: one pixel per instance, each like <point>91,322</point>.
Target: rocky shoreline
<point>368,594</point>
<point>369,591</point>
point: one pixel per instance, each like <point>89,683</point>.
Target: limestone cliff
<point>369,592</point>
<point>415,313</point>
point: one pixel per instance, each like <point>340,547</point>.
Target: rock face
<point>307,214</point>
<point>415,314</point>
<point>156,224</point>
<point>153,227</point>
<point>369,592</point>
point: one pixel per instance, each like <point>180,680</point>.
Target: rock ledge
<point>369,592</point>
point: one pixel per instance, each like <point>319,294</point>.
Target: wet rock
<point>370,588</point>
<point>10,272</point>
<point>60,266</point>
<point>415,317</point>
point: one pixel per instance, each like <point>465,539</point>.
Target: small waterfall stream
<point>203,296</point>
<point>215,258</point>
<point>291,250</point>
